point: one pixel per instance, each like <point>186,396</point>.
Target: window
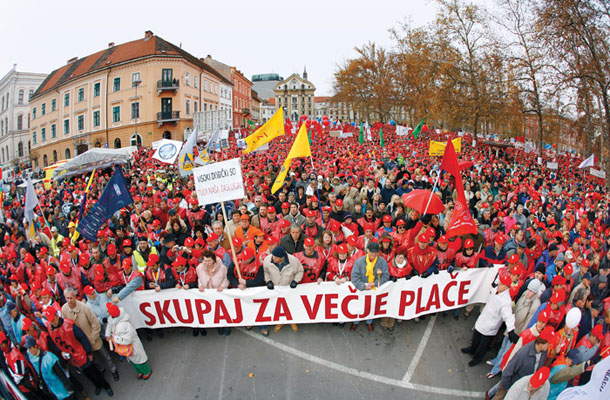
<point>66,99</point>
<point>205,107</point>
<point>1,128</point>
<point>34,113</point>
<point>96,118</point>
<point>34,137</point>
<point>45,161</point>
<point>20,149</point>
<point>81,94</point>
<point>96,89</point>
<point>116,114</point>
<point>43,108</point>
<point>187,78</point>
<point>117,143</point>
<point>205,85</point>
<point>136,140</point>
<point>188,107</point>
<point>53,131</point>
<point>135,110</point>
<point>116,86</point>
<point>195,106</point>
<point>81,122</point>
<point>54,156</point>
<point>66,126</point>
<point>53,105</point>
<point>43,134</point>
<point>67,154</point>
<point>196,81</point>
<point>135,79</point>
<point>20,97</point>
<point>30,94</point>
<point>279,101</point>
<point>19,122</point>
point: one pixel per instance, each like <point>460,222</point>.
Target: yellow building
<point>126,95</point>
<point>296,95</point>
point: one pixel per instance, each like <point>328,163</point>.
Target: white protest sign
<point>167,150</point>
<point>552,165</point>
<point>598,173</point>
<point>221,181</point>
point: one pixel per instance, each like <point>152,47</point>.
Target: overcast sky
<point>255,36</point>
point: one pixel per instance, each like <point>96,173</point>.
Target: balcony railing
<point>245,111</point>
<point>162,85</point>
<point>167,116</point>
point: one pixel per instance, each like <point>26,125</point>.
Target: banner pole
<point>317,190</point>
<point>224,214</point>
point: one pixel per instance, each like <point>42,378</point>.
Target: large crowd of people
<point>338,218</point>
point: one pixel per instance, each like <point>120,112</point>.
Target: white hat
<point>534,285</point>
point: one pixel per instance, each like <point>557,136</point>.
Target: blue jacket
<point>49,368</point>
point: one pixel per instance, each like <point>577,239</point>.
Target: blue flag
<point>115,196</point>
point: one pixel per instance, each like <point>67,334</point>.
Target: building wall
<point>242,99</point>
<point>186,99</point>
<point>296,95</point>
<point>226,101</point>
<point>15,90</point>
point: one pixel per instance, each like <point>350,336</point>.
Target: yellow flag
<point>300,148</point>
<point>270,130</point>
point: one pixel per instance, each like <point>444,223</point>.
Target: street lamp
<point>136,84</point>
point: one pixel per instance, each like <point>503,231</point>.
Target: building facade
<point>16,89</point>
<point>255,113</point>
<point>126,95</point>
<point>263,84</point>
<point>242,99</point>
<point>226,89</point>
<point>558,130</point>
<point>267,109</point>
<point>296,95</point>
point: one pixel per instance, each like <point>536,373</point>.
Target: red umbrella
<point>418,200</point>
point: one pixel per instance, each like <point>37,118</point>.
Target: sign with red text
<point>308,303</point>
<point>221,181</point>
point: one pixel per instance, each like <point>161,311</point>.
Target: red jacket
<point>64,339</point>
<point>187,277</point>
<point>312,266</point>
<point>445,258</point>
<point>420,259</point>
<point>340,270</point>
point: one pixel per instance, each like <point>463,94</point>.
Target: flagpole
<point>224,214</point>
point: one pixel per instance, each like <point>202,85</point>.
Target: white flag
<point>186,159</point>
<point>31,200</point>
<point>167,151</point>
<point>589,162</point>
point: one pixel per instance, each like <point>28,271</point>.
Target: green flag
<point>381,142</point>
<point>361,135</point>
<point>417,129</point>
<point>251,124</point>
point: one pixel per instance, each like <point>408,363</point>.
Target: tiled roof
<point>321,99</point>
<point>153,46</point>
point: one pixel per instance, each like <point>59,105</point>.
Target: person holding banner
<point>212,274</point>
<point>368,273</point>
<point>282,269</point>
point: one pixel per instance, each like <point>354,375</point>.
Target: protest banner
<point>598,173</point>
<point>438,148</point>
<point>552,165</point>
<point>308,303</point>
<point>219,182</point>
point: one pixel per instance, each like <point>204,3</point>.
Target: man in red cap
<point>129,280</point>
<point>368,236</point>
<point>75,347</point>
<point>252,275</point>
<point>314,264</point>
<point>369,217</point>
<point>310,227</point>
<point>71,277</point>
<point>423,257</point>
<point>495,253</point>
<point>21,370</point>
<point>497,310</point>
<point>157,277</point>
<point>492,232</point>
<point>589,344</point>
<point>531,387</point>
<point>386,227</point>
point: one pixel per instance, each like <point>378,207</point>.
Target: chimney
<point>148,34</point>
<point>70,61</point>
<point>111,44</point>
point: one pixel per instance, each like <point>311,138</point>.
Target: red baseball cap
<point>342,248</point>
<point>558,297</point>
<point>543,316</point>
<point>598,332</point>
<point>285,205</point>
<point>246,254</point>
<point>540,377</point>
<point>309,242</point>
<point>213,236</point>
<point>505,280</point>
<point>339,202</point>
<point>443,239</point>
<point>152,260</point>
<point>50,313</point>
<point>88,290</point>
<point>469,244</point>
<point>513,259</point>
<point>500,239</point>
<point>270,209</point>
<point>387,218</point>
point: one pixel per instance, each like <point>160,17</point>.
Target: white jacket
<point>122,332</point>
<point>497,309</point>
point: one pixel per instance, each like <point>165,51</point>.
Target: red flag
<point>461,220</point>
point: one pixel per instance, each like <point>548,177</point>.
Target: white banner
<point>598,388</point>
<point>402,130</point>
<point>308,303</point>
<point>552,165</point>
<point>221,181</point>
<point>598,172</point>
<point>167,150</point>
